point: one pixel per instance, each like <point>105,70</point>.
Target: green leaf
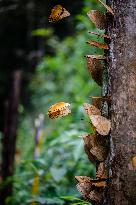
<point>57,173</point>
<point>42,32</point>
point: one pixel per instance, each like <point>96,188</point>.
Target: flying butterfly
<point>57,13</point>
<point>59,109</point>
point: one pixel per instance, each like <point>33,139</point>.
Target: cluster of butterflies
<point>91,189</point>
<point>95,145</point>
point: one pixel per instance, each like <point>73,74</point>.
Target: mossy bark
<point>122,88</point>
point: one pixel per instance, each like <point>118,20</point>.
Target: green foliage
<point>62,76</point>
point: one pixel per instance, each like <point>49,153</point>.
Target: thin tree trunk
<point>10,134</point>
<point>122,88</point>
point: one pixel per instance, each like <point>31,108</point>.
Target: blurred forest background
<point>44,63</point>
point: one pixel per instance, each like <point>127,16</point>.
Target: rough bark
<point>122,88</point>
<point>10,134</point>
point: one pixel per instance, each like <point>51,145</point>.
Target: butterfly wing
<point>102,124</point>
<point>59,110</point>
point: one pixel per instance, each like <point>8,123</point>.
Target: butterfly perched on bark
<point>102,124</point>
<point>95,65</point>
<point>91,189</point>
<point>91,109</point>
<point>57,13</point>
<point>100,152</point>
<point>59,109</point>
<point>98,18</point>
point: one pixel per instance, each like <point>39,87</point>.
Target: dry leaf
<point>102,124</point>
<point>59,109</point>
<point>91,109</point>
<point>98,18</point>
<point>95,67</point>
<point>107,7</point>
<point>98,44</point>
<point>100,152</point>
<point>57,13</point>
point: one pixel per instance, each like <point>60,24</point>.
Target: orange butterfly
<point>59,109</point>
<point>57,13</point>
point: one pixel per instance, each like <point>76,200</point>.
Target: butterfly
<point>101,171</point>
<point>95,182</point>
<point>102,124</point>
<point>59,109</point>
<point>91,109</point>
<point>98,18</point>
<point>95,67</point>
<point>91,189</point>
<point>84,189</point>
<point>96,197</point>
<point>100,152</point>
<point>90,140</point>
<point>57,13</point>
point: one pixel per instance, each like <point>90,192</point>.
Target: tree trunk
<point>10,133</point>
<point>122,88</point>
